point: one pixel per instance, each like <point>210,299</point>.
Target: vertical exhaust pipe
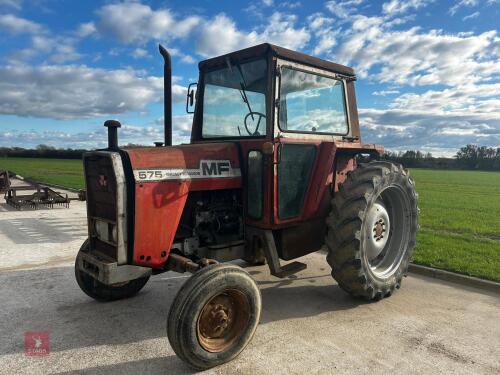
<point>167,94</point>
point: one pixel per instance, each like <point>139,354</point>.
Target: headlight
<point>105,231</point>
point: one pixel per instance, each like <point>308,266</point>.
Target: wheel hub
<point>216,319</point>
<point>378,225</point>
<point>222,320</point>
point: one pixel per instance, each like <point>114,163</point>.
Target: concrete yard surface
<point>308,324</point>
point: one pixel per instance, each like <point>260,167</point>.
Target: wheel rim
<point>223,319</point>
<point>386,239</point>
<point>379,224</point>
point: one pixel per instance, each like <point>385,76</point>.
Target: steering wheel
<point>251,114</point>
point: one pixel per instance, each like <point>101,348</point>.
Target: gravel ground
<point>308,325</point>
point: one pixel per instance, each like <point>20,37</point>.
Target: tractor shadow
<point>50,300</point>
<point>301,297</point>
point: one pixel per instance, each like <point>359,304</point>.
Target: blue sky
<point>428,71</point>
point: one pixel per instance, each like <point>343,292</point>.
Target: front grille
<point>101,200</point>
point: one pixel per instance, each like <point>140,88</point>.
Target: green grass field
<point>459,218</point>
<point>64,172</point>
<point>459,221</point>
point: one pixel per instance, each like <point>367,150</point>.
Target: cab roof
<point>280,52</point>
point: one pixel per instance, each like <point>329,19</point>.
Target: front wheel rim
<point>223,320</point>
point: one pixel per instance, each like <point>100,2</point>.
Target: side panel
<point>163,177</point>
<point>159,208</point>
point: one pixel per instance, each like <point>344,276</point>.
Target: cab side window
<point>311,103</point>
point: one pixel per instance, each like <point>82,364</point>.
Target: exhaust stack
<point>167,94</point>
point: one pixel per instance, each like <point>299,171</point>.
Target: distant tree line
<point>44,151</point>
<point>468,157</point>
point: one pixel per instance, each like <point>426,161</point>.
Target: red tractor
<point>272,173</point>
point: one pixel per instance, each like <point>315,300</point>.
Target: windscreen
<point>234,100</point>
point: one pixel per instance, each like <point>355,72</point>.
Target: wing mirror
<point>191,94</point>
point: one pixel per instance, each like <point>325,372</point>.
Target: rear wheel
<point>214,316</point>
<point>102,292</point>
<point>372,230</point>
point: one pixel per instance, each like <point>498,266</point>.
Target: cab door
<point>310,115</point>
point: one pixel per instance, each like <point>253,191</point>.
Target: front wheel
<point>372,230</point>
<point>214,316</point>
<point>102,292</point>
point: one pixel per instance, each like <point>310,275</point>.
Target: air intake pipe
<point>112,126</point>
<point>167,94</point>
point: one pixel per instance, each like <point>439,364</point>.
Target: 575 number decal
<point>145,175</point>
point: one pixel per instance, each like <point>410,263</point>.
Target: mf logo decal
<point>103,181</point>
<point>215,167</point>
<point>207,169</point>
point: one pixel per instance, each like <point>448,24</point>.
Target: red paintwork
<point>159,204</point>
<point>319,184</point>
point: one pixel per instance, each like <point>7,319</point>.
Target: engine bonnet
<point>163,178</point>
<point>194,163</point>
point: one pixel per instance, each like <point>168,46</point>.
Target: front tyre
<point>102,292</point>
<point>214,316</point>
<point>372,230</point>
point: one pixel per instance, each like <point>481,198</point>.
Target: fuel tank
<point>163,178</point>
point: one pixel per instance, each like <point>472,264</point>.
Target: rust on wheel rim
<point>223,319</point>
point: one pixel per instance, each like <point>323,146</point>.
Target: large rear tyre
<point>372,230</point>
<point>214,316</point>
<point>102,292</point>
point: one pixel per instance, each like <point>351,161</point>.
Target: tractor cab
<point>285,111</point>
<point>268,93</point>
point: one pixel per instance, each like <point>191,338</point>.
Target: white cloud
<point>413,57</point>
<point>385,92</point>
<point>281,30</point>
<point>429,131</point>
<point>220,35</point>
<point>63,53</point>
<point>322,27</point>
<point>188,59</point>
<point>57,50</point>
<point>290,4</point>
<point>343,9</point>
<point>135,22</point>
<point>15,4</point>
<point>139,53</point>
<point>96,135</point>
<point>86,29</point>
<point>440,119</point>
<point>17,25</point>
<point>71,91</point>
<point>393,7</point>
<point>471,16</point>
<point>462,3</point>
